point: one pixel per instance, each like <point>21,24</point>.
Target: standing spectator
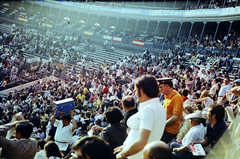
<point>128,104</point>
<point>64,131</point>
<point>148,124</point>
<point>173,104</point>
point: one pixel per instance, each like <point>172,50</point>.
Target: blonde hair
<point>189,108</point>
<point>205,93</point>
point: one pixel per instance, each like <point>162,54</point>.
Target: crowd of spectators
<point>211,4</point>
<point>15,66</point>
<point>102,96</point>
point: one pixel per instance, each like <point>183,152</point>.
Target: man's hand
<point>176,150</point>
<point>118,149</point>
<point>118,156</point>
<point>98,128</point>
<point>193,143</point>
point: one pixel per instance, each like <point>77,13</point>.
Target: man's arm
<point>4,142</point>
<point>47,139</point>
<point>137,146</point>
<point>181,149</point>
<point>52,119</point>
<point>204,142</point>
<point>4,129</point>
<point>73,121</point>
<point>171,120</point>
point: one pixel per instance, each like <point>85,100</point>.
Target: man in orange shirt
<point>173,105</point>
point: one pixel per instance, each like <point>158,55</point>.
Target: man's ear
<point>214,115</point>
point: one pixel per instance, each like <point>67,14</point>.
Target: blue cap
<point>237,81</point>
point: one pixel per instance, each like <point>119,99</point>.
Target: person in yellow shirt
<point>81,96</point>
<point>44,116</point>
<point>85,90</point>
<point>173,105</point>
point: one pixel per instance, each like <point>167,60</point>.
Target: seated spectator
<point>157,150</point>
<point>185,125</point>
<point>40,151</point>
<point>115,133</point>
<point>21,147</point>
<point>40,133</point>
<point>52,151</point>
<point>215,128</point>
<point>206,98</point>
<point>196,133</point>
<point>92,148</point>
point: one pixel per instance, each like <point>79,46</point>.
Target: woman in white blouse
<point>206,98</point>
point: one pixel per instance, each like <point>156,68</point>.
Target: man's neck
<point>213,123</point>
<point>127,110</point>
<point>170,92</point>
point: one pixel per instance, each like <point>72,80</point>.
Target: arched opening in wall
<point>172,36</point>
<point>53,16</point>
<point>122,22</point>
<point>35,12</point>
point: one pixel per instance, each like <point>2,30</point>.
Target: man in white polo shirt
<point>64,131</point>
<point>147,124</point>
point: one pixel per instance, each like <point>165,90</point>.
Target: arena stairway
<point>6,27</point>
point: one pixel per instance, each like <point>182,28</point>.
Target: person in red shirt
<point>141,71</point>
<point>105,90</point>
<point>184,95</point>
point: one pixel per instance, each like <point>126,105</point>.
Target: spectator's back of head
<point>41,144</point>
<point>52,149</point>
<point>24,129</point>
<point>113,115</point>
<point>93,148</point>
<point>157,150</point>
<point>128,101</point>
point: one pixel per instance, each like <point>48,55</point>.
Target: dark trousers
<point>185,155</point>
<point>67,151</point>
<point>167,137</point>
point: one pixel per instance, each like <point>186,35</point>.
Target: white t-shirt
<point>41,155</point>
<point>196,133</point>
<point>213,89</point>
<point>151,116</point>
<point>224,89</point>
<point>63,135</point>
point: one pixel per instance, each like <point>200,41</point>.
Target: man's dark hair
<point>160,153</point>
<point>79,124</point>
<point>113,115</point>
<point>219,111</point>
<point>25,127</point>
<point>94,147</point>
<point>185,92</point>
<point>68,117</point>
<point>52,149</point>
<point>41,143</point>
<point>88,113</point>
<point>98,121</point>
<point>149,86</point>
<point>128,103</point>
